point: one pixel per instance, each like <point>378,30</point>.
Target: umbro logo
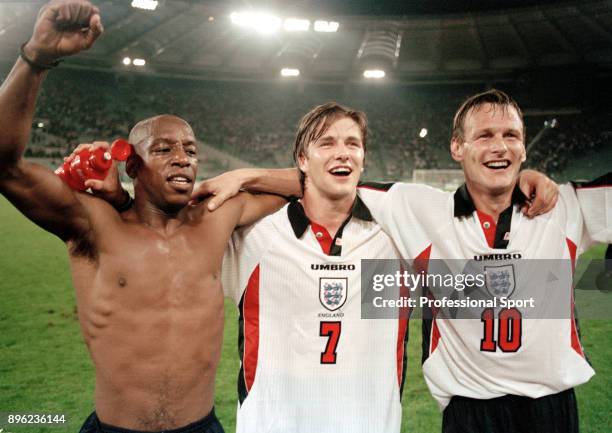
<point>487,257</point>
<point>331,267</point>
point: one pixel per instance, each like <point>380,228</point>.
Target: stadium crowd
<point>256,121</point>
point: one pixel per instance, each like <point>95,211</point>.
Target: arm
<point>284,181</point>
<point>541,192</point>
<point>255,207</point>
<point>35,190</point>
<point>287,182</point>
<point>584,212</point>
<point>223,187</point>
<point>594,199</point>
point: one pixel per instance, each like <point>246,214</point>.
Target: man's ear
<point>524,155</point>
<point>132,165</point>
<point>456,149</point>
<point>302,163</point>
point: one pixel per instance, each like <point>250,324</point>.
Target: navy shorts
<point>208,424</point>
<point>556,413</point>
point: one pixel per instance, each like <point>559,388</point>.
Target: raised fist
<point>63,28</point>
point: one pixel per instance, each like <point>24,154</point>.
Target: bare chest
<point>144,269</point>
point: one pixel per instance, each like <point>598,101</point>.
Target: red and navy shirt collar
<point>497,232</point>
<point>300,222</point>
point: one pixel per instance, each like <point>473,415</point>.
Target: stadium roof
<point>399,7</point>
<point>412,41</point>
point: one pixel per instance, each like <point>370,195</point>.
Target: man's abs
<point>154,327</point>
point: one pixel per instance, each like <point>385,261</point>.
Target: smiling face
<point>491,148</point>
<point>166,163</point>
<point>333,162</point>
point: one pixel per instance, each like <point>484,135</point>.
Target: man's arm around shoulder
<point>245,208</point>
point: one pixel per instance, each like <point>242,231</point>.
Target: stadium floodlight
<point>139,62</point>
<point>326,26</point>
<point>296,25</point>
<point>149,5</point>
<point>240,18</point>
<point>266,23</point>
<point>290,72</point>
<point>261,22</point>
<point>550,123</point>
<point>423,133</point>
<point>374,73</point>
<point>127,61</point>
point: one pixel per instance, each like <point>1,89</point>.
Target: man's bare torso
<point>150,305</point>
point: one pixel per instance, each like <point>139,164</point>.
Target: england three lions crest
<point>500,280</point>
<point>332,292</point>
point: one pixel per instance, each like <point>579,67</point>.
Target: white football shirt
<point>309,362</point>
<point>543,356</point>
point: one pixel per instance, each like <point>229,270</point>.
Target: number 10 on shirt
<point>509,330</point>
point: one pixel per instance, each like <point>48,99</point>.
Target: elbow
<point>10,168</point>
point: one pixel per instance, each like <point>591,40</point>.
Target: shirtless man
<point>148,291</point>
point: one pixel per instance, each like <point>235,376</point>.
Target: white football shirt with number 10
<point>500,353</point>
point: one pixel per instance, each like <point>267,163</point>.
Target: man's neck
<point>161,220</point>
<point>328,212</point>
<point>491,203</point>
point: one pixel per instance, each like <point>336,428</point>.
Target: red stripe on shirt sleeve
<point>404,314</point>
<point>575,340</point>
<point>421,263</point>
<point>250,313</point>
<point>435,335</point>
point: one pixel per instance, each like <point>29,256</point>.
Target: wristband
<point>36,65</point>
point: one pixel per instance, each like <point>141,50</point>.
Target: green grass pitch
<point>44,366</point>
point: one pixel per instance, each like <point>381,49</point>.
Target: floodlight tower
<point>377,56</point>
